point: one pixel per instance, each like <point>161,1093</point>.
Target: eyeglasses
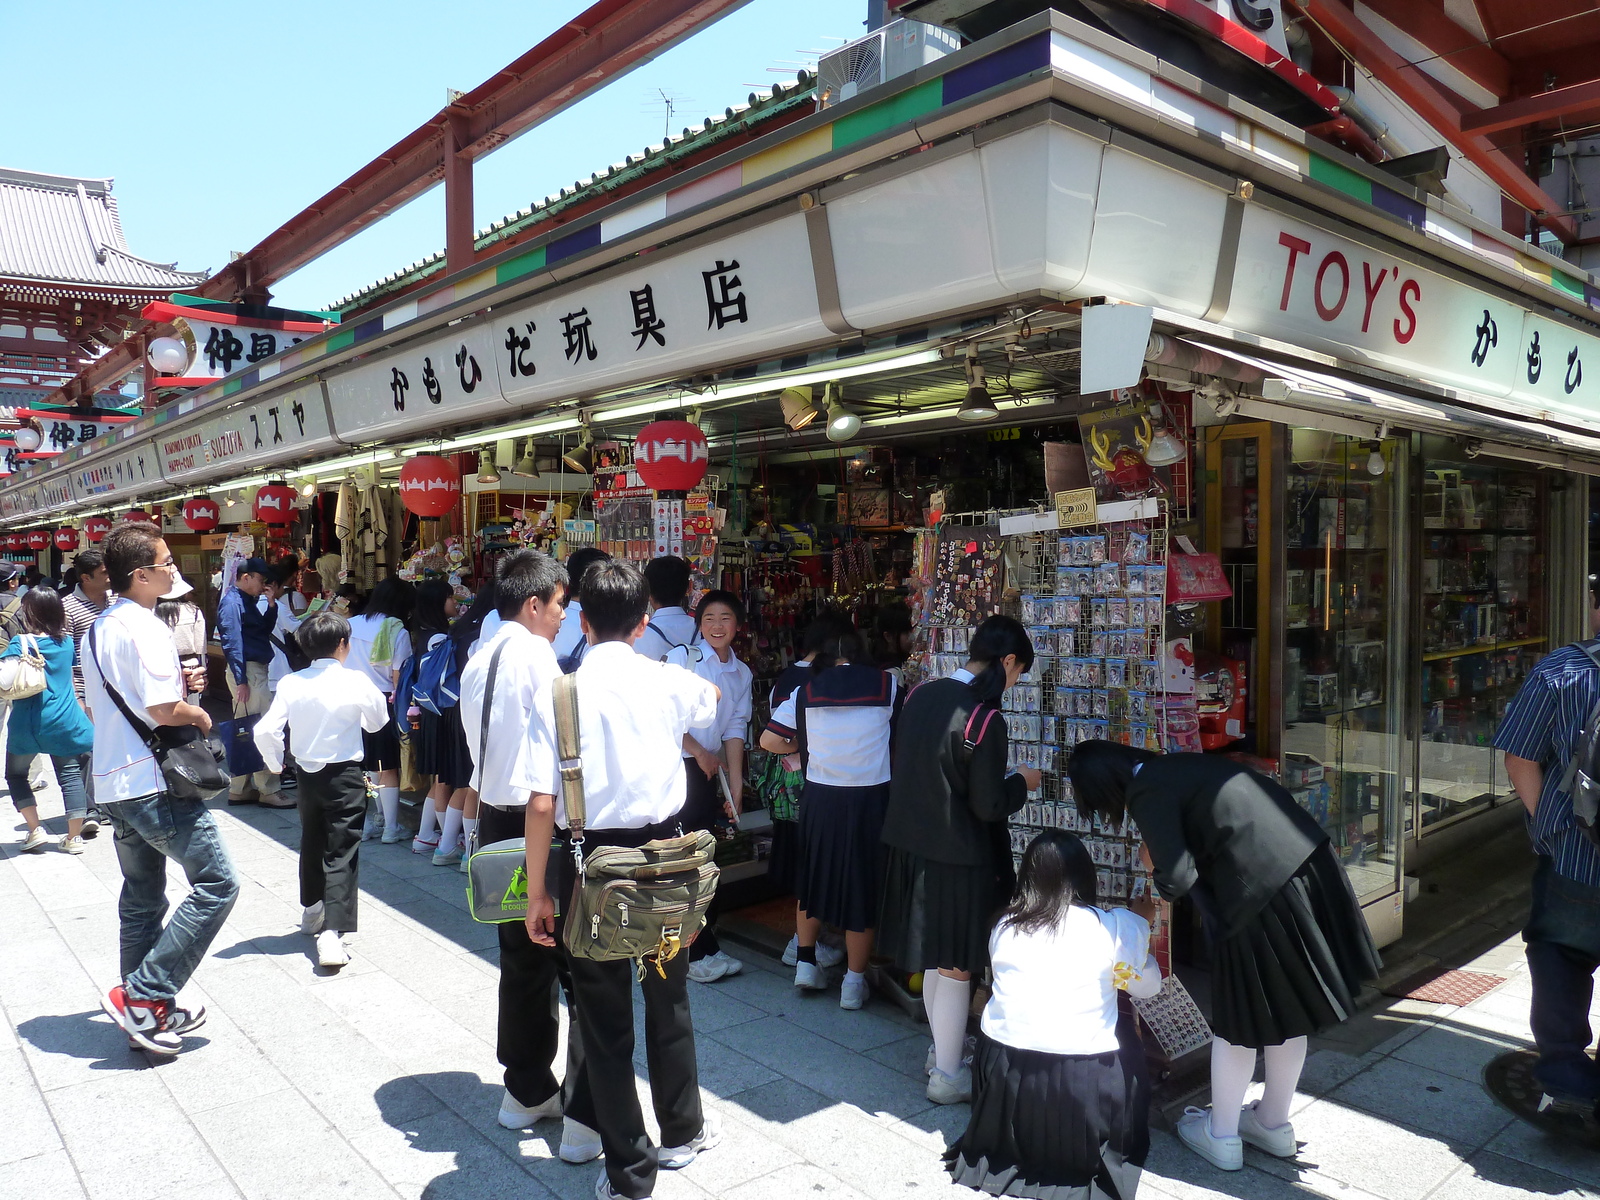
<point>170,564</point>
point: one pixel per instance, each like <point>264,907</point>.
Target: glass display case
<point>1484,615</point>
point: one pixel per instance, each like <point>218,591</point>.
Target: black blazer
<point>1213,825</point>
<point>944,804</point>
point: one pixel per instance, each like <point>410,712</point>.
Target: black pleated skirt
<point>1055,1126</point>
<point>1295,968</point>
<point>783,865</point>
<point>841,854</point>
<point>939,914</point>
<point>442,749</point>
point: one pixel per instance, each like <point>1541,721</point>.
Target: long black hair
<point>1056,873</point>
<point>997,637</point>
<point>393,597</point>
<point>840,643</point>
<point>431,597</point>
<point>1100,773</point>
<point>470,623</point>
<point>43,612</point>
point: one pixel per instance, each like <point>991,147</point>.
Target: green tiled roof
<point>759,108</point>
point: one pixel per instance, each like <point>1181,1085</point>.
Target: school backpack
<point>569,662</point>
<point>436,680</point>
<point>1582,780</point>
<point>692,650</point>
<point>11,616</point>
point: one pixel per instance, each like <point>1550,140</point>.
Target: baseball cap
<point>254,566</point>
<point>8,571</point>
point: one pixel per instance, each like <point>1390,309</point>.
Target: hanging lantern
<point>671,456</point>
<point>201,514</point>
<point>275,504</point>
<point>39,539</point>
<point>138,514</point>
<point>430,486</point>
<point>66,538</point>
<point>96,528</point>
<point>16,541</point>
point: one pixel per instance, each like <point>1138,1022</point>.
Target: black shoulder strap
<point>1592,649</point>
<point>148,734</point>
<point>488,703</point>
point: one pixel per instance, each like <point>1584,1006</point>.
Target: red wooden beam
<point>1416,90</point>
<point>1546,106</point>
<point>1484,65</point>
<point>605,41</point>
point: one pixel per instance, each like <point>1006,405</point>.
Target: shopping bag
<point>239,740</point>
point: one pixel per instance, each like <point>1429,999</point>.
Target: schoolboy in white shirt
<point>327,705</point>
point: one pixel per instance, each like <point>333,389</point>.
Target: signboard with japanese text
<point>55,493</point>
<point>128,472</point>
<point>216,349</point>
<point>426,385</point>
<point>60,434</point>
<point>277,429</point>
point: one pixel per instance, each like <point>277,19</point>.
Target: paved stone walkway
<point>381,1081</point>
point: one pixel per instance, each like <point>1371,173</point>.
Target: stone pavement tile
<point>40,1176</point>
<point>67,1046</point>
<point>1528,1144</point>
<point>724,1071</point>
<point>1501,1003</point>
<point>381,884</point>
<point>443,883</point>
<point>908,1056</point>
<point>280,1146</point>
<point>1488,1176</point>
<point>879,1024</point>
<point>41,970</point>
<point>1175,1170</point>
<point>826,1067</point>
<point>150,1158</point>
<point>771,989</point>
<point>29,1131</point>
<point>442,1157</point>
<point>713,1008</point>
<point>408,1029</point>
<point>746,1152</point>
<point>398,861</point>
<point>800,1182</point>
<point>443,976</point>
<point>226,1069</point>
<point>449,923</point>
<point>1458,1051</point>
<point>1491,1021</point>
<point>935,1127</point>
<point>1427,1100</point>
<point>1326,1069</point>
<point>1366,1151</point>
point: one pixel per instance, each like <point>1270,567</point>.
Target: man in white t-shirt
<point>131,663</point>
<point>633,715</point>
<point>671,623</point>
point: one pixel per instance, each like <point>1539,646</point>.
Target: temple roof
<point>59,231</point>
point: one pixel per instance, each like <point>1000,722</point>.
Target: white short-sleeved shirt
<point>849,719</point>
<point>632,715</point>
<point>278,669</point>
<point>492,621</point>
<point>527,664</point>
<point>1056,991</point>
<point>363,630</point>
<point>733,707</point>
<point>134,648</point>
<point>668,627</point>
<point>325,707</point>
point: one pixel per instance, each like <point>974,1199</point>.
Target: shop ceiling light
<point>843,423</point>
<point>231,500</point>
<point>799,409</point>
<point>545,425</point>
<point>1375,463</point>
<point>1164,449</point>
<point>525,464</point>
<point>581,457</point>
<point>486,469</point>
<point>978,404</point>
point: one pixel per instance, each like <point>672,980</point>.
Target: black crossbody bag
<point>188,761</point>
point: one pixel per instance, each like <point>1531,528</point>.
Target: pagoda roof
<point>62,235</point>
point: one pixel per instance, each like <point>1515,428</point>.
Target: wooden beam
<point>1529,110</point>
<point>1484,65</point>
<point>1429,101</point>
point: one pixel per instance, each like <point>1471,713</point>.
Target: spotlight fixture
<point>525,464</point>
<point>1375,460</point>
<point>799,409</point>
<point>978,404</point>
<point>309,487</point>
<point>581,457</point>
<point>231,499</point>
<point>843,423</point>
<point>486,469</point>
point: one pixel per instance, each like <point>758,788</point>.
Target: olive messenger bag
<point>644,902</point>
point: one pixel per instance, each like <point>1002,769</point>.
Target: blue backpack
<point>436,681</point>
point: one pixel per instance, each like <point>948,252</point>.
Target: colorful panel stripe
<point>875,118</point>
<point>790,153</point>
<point>523,264</point>
<point>1395,204</point>
<point>1340,178</point>
<point>994,69</point>
<point>574,243</point>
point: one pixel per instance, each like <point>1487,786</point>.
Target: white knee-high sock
<point>948,1018</point>
<point>930,992</point>
<point>430,818</point>
<point>389,798</point>
<point>451,831</point>
<point>1232,1068</point>
<point>1283,1065</point>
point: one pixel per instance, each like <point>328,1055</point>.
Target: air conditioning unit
<point>895,49</point>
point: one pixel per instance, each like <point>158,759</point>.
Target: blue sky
<point>220,121</point>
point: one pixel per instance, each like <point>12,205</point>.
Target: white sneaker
<point>391,836</point>
<point>1194,1130</point>
<point>604,1191</point>
<point>73,845</point>
<point>854,992</point>
<point>579,1143</point>
<point>675,1158</point>
<point>311,919</point>
<point>330,949</point>
<point>969,1050</point>
<point>809,977</point>
<point>37,839</point>
<point>791,952</point>
<point>950,1089</point>
<point>516,1115</point>
<point>373,826</point>
<point>1277,1141</point>
<point>828,956</point>
<point>707,969</point>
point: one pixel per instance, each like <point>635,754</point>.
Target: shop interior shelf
<point>1462,651</point>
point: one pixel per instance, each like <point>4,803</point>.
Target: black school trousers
<point>333,805</point>
<point>606,1100</point>
<point>533,979</point>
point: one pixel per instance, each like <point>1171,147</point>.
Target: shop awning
<point>1302,395</point>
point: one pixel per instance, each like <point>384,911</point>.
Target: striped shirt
<point>1544,724</point>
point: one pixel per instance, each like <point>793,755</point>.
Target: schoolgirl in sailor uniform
<point>841,723</point>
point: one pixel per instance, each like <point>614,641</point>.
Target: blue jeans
<point>1563,939</point>
<point>157,961</point>
<point>69,774</point>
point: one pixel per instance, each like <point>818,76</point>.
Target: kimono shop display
<point>361,521</point>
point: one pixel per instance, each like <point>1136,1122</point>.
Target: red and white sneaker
<point>146,1022</point>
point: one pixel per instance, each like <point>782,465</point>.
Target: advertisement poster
<point>967,572</point>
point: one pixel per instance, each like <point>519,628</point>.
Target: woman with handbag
<point>36,676</point>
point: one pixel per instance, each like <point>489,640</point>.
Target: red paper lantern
<point>671,456</point>
<point>96,528</point>
<point>66,538</point>
<point>16,541</point>
<point>275,504</point>
<point>138,514</point>
<point>39,539</point>
<point>201,514</point>
<point>430,486</point>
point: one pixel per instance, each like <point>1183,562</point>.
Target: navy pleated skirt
<point>1055,1126</point>
<point>840,866</point>
<point>940,914</point>
<point>1295,968</point>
